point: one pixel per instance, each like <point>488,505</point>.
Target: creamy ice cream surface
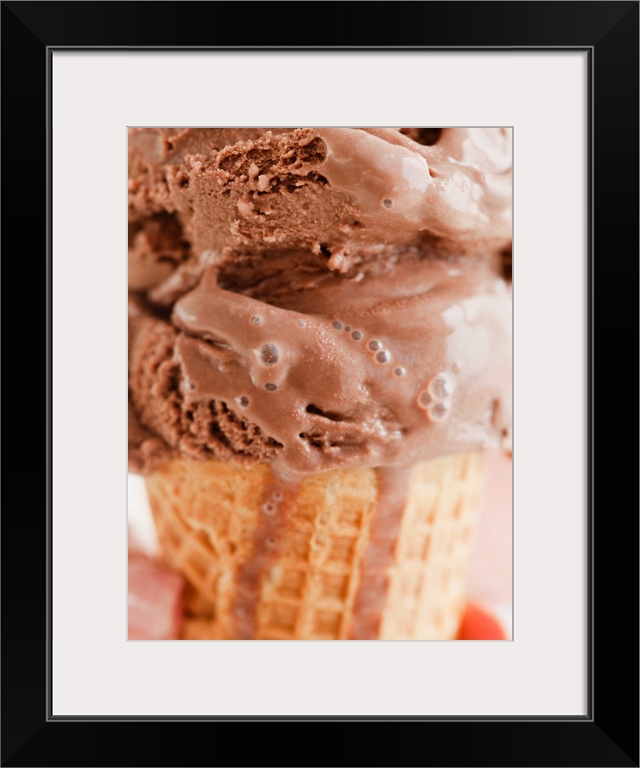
<point>318,298</point>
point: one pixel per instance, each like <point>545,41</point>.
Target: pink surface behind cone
<point>155,600</point>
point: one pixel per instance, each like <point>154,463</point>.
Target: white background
<point>95,670</point>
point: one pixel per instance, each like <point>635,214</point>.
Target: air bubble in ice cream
<point>269,354</point>
<point>438,411</point>
<point>424,399</point>
<point>256,320</point>
<point>375,344</point>
<point>440,387</point>
<point>384,356</point>
<point>243,401</point>
<point>400,371</point>
<point>337,325</point>
<point>388,203</point>
<point>271,387</point>
<point>357,335</point>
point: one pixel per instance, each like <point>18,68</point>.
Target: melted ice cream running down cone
<point>308,303</point>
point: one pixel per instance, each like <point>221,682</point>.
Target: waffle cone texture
<point>360,554</point>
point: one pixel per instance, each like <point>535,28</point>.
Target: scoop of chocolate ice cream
<point>334,198</point>
<point>164,421</point>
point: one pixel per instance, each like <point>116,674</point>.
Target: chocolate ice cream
<point>319,298</point>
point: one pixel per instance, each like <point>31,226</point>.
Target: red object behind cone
<point>477,624</point>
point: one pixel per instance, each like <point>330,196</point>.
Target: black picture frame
<point>608,735</point>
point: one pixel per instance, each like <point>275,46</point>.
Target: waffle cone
<point>345,554</point>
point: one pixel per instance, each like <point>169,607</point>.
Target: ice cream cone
<point>344,554</point>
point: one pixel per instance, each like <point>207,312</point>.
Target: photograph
<point>319,383</point>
